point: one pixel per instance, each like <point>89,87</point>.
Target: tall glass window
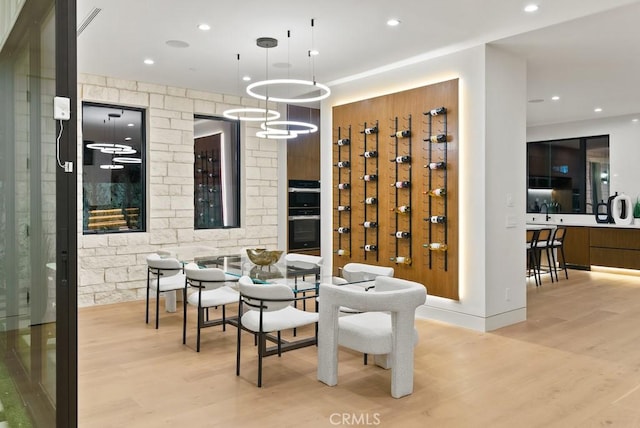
<point>216,173</point>
<point>113,165</point>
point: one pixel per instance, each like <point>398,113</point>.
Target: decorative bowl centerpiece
<point>263,257</point>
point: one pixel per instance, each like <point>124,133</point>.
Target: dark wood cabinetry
<point>576,247</point>
<point>614,247</point>
<point>303,152</point>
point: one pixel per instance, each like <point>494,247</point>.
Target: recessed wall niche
<point>410,111</point>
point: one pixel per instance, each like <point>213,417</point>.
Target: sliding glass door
<point>30,224</point>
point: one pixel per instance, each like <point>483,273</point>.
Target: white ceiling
<point>590,61</point>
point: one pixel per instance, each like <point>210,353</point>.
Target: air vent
<point>86,21</point>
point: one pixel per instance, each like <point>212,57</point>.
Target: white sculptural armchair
<point>384,328</point>
<point>164,275</point>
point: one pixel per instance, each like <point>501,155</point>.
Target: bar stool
<point>543,243</point>
<point>557,244</point>
<point>532,261</point>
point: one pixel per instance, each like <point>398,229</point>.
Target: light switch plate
<point>61,108</point>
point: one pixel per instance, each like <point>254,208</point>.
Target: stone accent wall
<point>112,267</point>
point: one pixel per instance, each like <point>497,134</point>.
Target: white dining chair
<point>266,308</point>
<point>214,289</point>
<point>384,328</point>
<point>164,275</point>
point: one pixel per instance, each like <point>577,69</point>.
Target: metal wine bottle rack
<point>402,195</point>
<point>370,143</point>
<point>208,198</point>
<point>344,176</point>
<point>370,139</point>
<point>439,128</point>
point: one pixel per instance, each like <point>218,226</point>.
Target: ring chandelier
<point>270,126</point>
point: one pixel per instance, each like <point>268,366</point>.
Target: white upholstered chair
<point>266,308</point>
<point>302,284</point>
<point>214,290</point>
<point>385,328</point>
<point>164,274</point>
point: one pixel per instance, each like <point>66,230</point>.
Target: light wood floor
<point>574,363</point>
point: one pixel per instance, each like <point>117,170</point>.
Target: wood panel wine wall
<point>437,270</point>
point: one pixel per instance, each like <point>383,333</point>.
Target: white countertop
<point>574,220</point>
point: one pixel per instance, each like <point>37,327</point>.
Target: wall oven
<point>304,215</point>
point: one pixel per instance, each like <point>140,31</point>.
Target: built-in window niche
<point>216,173</point>
<point>567,176</point>
<point>113,165</point>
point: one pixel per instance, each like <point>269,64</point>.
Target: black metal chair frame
<point>262,336</point>
<point>558,244</point>
<point>158,272</point>
<point>547,249</point>
<point>203,321</point>
<point>532,259</point>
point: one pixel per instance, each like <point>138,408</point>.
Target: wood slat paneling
<point>384,110</point>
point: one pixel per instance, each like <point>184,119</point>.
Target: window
<point>113,159</point>
<point>216,173</point>
<point>568,176</point>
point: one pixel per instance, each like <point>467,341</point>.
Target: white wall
<point>624,146</point>
<point>483,182</point>
<point>9,11</point>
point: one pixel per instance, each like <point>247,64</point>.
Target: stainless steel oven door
<point>304,232</point>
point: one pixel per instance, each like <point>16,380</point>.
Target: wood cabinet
<point>614,247</point>
<point>303,152</point>
<point>576,247</point>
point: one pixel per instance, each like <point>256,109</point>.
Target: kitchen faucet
<point>546,211</point>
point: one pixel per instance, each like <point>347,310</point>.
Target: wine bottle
<point>342,252</point>
<point>343,186</point>
<point>369,177</point>
<point>370,224</point>
<point>436,246</point>
<point>402,134</point>
<point>402,159</point>
<point>370,247</point>
<point>343,164</point>
<point>440,138</point>
<point>401,184</point>
<point>372,130</point>
<point>437,111</point>
<point>344,142</point>
<point>437,219</point>
<point>402,209</point>
<point>436,165</point>
<point>371,201</point>
<point>343,230</point>
<point>370,154</point>
<point>401,234</point>
<point>436,192</point>
<point>344,208</point>
<point>401,260</point>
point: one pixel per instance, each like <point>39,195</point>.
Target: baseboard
<point>470,321</point>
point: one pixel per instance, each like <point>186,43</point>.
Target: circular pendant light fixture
<point>249,114</point>
<point>274,82</point>
<point>304,127</point>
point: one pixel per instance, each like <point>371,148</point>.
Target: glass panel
<point>28,220</point>
<point>567,176</point>
<point>216,173</point>
<point>113,165</point>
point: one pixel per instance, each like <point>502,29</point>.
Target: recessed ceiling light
<point>530,8</point>
<point>204,27</point>
<point>555,98</point>
<point>393,22</point>
<point>128,138</point>
<point>130,124</point>
<point>246,78</point>
<point>634,120</point>
<point>597,109</point>
<point>314,52</point>
<point>149,61</point>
